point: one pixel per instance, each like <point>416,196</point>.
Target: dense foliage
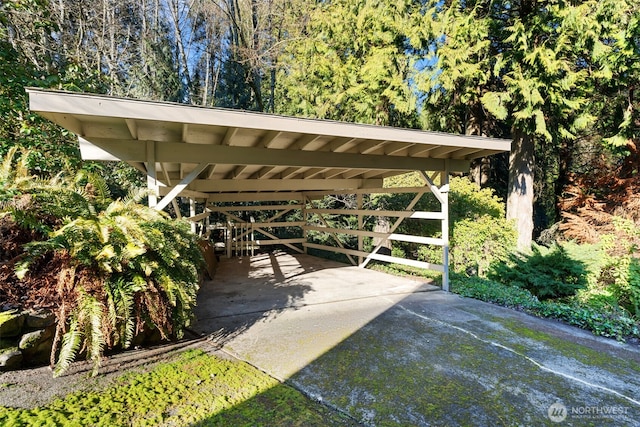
<point>551,75</point>
<point>559,78</point>
<point>111,270</point>
<point>608,323</point>
<point>546,272</point>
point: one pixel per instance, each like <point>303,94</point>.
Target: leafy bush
<point>546,272</point>
<point>111,272</point>
<point>621,264</point>
<point>477,244</point>
<point>480,234</point>
<point>603,322</point>
<point>467,201</point>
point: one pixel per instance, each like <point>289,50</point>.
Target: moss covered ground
<point>195,389</point>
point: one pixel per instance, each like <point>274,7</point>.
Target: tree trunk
<point>520,191</point>
<point>480,170</point>
<point>564,164</point>
<point>474,121</point>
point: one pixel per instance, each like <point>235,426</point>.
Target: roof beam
<point>268,138</point>
<point>231,132</point>
<point>176,152</point>
<point>342,144</point>
<point>303,141</point>
<point>262,172</point>
<point>442,151</point>
<point>67,121</point>
<point>90,151</point>
<point>369,146</point>
<point>235,172</point>
<point>337,172</point>
<point>204,186</point>
<point>212,170</point>
<point>255,197</point>
<point>133,128</point>
<point>313,172</point>
<point>289,173</point>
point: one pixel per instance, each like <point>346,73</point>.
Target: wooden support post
<point>152,181</point>
<point>305,218</point>
<point>192,212</point>
<point>444,190</point>
<point>360,198</point>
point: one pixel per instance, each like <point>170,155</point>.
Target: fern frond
<point>70,345</point>
<point>135,196</point>
<point>112,314</point>
<point>91,316</point>
<point>6,170</point>
<point>122,294</point>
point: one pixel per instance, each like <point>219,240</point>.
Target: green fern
<point>70,345</point>
<point>91,315</point>
<point>120,310</point>
<point>140,266</point>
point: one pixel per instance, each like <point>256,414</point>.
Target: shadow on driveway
<point>394,351</point>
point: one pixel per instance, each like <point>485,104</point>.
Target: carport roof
<point>233,151</point>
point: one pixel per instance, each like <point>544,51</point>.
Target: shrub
<point>490,291</point>
<point>621,265</point>
<point>130,269</point>
<point>477,244</point>
<point>603,322</point>
<point>430,253</point>
<point>546,272</point>
<point>480,234</point>
<point>622,273</point>
<point>109,271</point>
<point>467,201</point>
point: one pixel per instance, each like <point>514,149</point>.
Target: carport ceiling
<point>239,151</point>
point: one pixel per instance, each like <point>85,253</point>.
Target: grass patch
<point>407,271</point>
<point>196,389</point>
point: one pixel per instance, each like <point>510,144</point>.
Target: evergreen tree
<point>351,64</point>
<point>529,65</point>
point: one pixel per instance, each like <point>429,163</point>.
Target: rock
<point>40,319</point>
<point>11,324</point>
<point>39,354</point>
<point>10,359</point>
<point>36,346</point>
<point>31,339</point>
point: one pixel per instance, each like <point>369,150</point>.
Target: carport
<point>235,162</point>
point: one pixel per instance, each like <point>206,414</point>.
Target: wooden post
<point>360,199</point>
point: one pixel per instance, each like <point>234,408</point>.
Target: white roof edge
<point>85,104</point>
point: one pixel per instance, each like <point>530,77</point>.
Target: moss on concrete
<point>570,349</point>
<point>195,389</point>
<point>445,377</point>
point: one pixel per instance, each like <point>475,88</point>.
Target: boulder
<point>11,324</point>
<point>32,339</point>
<point>10,359</point>
<point>40,319</point>
<point>36,346</point>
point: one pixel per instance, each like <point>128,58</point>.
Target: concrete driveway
<point>394,351</point>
